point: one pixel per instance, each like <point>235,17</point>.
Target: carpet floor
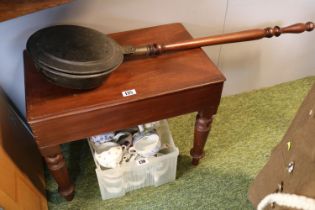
<point>243,134</point>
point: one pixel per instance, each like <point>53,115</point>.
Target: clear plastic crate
<point>134,175</point>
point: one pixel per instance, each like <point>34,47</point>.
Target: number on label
<point>129,93</point>
<point>142,161</point>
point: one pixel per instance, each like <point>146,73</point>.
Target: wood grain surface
<point>14,8</point>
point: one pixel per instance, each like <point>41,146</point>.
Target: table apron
<point>76,126</point>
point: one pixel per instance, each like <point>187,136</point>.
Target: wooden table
<point>166,86</point>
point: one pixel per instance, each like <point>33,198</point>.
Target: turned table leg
<point>58,168</point>
<point>202,129</point>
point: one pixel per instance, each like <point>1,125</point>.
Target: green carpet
<point>245,130</point>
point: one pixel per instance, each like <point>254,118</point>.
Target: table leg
<point>202,129</point>
<point>58,168</point>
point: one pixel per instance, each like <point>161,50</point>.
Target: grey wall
<point>247,66</point>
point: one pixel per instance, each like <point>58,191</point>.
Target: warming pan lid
<point>74,50</point>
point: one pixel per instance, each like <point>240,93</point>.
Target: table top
<point>150,77</point>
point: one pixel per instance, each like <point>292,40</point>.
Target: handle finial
<point>296,28</point>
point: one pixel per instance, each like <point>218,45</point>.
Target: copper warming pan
<point>77,57</point>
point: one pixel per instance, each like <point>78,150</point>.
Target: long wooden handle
<point>254,34</point>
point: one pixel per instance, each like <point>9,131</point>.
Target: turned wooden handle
<point>297,28</point>
<point>254,34</point>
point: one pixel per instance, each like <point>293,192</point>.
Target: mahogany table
<point>166,86</point>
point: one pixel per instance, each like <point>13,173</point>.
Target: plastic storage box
<point>143,172</point>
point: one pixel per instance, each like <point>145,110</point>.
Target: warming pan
<point>77,57</point>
